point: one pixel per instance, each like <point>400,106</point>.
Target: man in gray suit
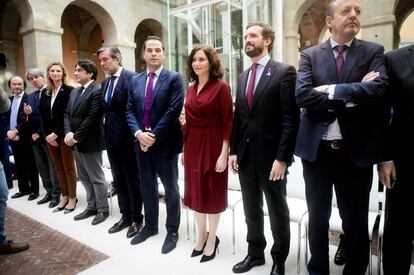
<point>84,130</point>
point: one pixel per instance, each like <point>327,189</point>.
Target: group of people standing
<point>343,112</point>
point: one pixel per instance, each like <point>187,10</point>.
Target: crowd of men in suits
<point>355,103</point>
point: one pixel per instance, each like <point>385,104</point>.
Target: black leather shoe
<point>170,242</point>
<point>278,269</point>
<point>46,198</point>
<point>340,254</point>
<point>33,196</point>
<point>12,247</point>
<point>85,214</point>
<point>134,229</point>
<point>53,203</point>
<point>119,226</point>
<point>142,235</point>
<point>19,194</point>
<point>248,263</point>
<point>100,217</point>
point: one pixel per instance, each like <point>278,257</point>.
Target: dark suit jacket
<point>85,119</point>
<point>52,119</point>
<point>270,127</point>
<point>362,126</point>
<point>117,132</point>
<point>21,126</point>
<point>34,120</point>
<point>400,65</point>
<point>166,106</point>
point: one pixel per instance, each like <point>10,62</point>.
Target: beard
<point>256,51</point>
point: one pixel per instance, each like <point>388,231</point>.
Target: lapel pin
<point>269,72</point>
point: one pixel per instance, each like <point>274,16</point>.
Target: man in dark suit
<point>44,162</point>
<point>396,175</point>
<point>84,130</point>
<point>119,141</point>
<point>341,85</point>
<point>155,100</point>
<point>265,125</point>
<point>19,136</point>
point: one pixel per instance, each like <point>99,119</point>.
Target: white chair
<point>109,180</point>
<point>234,197</point>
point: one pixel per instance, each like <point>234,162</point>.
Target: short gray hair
<point>35,72</point>
<point>114,52</point>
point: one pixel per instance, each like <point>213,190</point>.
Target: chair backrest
<point>233,182</point>
<point>295,183</point>
<point>105,160</point>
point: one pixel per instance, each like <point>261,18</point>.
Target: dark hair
<point>267,32</point>
<point>216,69</point>
<point>24,81</point>
<point>114,52</point>
<point>88,66</point>
<point>151,37</point>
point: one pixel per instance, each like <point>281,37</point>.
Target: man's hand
<point>146,139</point>
<point>234,167</point>
<point>278,170</point>
<point>51,137</point>
<point>13,135</point>
<point>370,76</point>
<point>27,109</point>
<point>322,89</point>
<point>69,140</point>
<point>35,136</point>
<point>387,174</point>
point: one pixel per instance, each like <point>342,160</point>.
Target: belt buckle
<point>335,144</point>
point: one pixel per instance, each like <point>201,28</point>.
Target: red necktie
<point>250,87</point>
<point>340,58</point>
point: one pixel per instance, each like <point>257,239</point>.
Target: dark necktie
<point>148,98</point>
<point>250,87</point>
<point>340,59</point>
<point>78,96</point>
<point>110,90</point>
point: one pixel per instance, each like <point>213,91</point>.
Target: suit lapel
<point>410,57</point>
<point>158,84</point>
<point>264,80</point>
<point>243,96</point>
<point>84,94</point>
<point>329,59</point>
<point>118,87</point>
<point>351,58</point>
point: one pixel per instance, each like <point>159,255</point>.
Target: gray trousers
<point>90,173</point>
<point>46,170</point>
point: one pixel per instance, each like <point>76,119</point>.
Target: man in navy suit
<point>19,136</point>
<point>155,100</point>
<point>396,175</point>
<point>341,85</point>
<point>42,156</point>
<point>119,142</point>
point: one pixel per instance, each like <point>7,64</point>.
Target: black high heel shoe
<point>196,253</point>
<point>206,258</point>
<point>58,209</point>
<point>68,210</point>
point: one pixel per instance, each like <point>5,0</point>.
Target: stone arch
<point>145,28</point>
<point>402,9</point>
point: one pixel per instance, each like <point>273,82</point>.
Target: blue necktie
<point>13,113</point>
<point>78,96</point>
<point>110,90</point>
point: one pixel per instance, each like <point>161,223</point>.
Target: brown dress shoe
<point>13,247</point>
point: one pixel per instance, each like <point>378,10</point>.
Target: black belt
<point>333,144</point>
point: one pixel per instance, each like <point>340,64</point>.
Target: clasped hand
<point>146,140</point>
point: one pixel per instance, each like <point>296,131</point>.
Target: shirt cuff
<point>137,132</point>
<point>331,92</point>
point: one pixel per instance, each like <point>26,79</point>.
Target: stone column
<point>42,46</point>
<point>292,48</point>
<point>128,55</point>
<point>379,29</point>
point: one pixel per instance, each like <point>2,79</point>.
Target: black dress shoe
<point>196,253</point>
<point>142,235</point>
<point>68,210</point>
<point>123,223</point>
<point>53,203</point>
<point>58,209</point>
<point>100,217</point>
<point>278,269</point>
<point>170,242</point>
<point>46,198</point>
<point>206,258</point>
<point>12,247</point>
<point>85,214</point>
<point>33,196</point>
<point>134,229</point>
<point>340,253</point>
<point>248,263</point>
<point>19,194</point>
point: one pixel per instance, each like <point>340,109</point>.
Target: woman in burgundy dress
<point>207,131</point>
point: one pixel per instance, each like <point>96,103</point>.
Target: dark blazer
<point>270,127</point>
<point>21,126</point>
<point>166,106</point>
<point>52,119</point>
<point>116,126</point>
<point>362,126</point>
<point>34,119</point>
<point>85,119</point>
<point>400,65</point>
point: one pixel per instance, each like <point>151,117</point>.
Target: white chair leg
<point>234,231</point>
<point>194,228</point>
<point>188,223</point>
<point>370,259</point>
<point>299,245</point>
<point>379,259</point>
<point>110,198</point>
<point>306,250</point>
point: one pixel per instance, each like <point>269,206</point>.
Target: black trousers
<point>26,169</point>
<point>333,168</point>
<point>399,224</point>
<point>254,181</point>
<point>125,171</point>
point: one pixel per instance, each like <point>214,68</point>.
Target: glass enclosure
<point>219,23</point>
